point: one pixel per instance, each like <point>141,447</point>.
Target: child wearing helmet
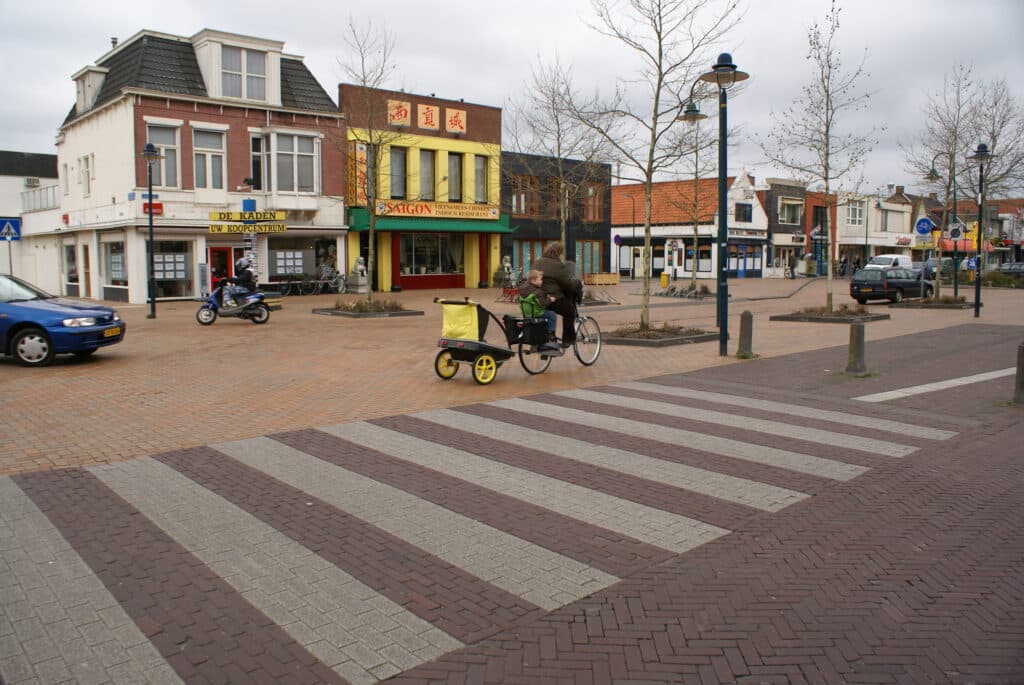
<point>244,281</point>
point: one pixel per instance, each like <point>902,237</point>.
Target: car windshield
<point>14,289</point>
<point>881,261</point>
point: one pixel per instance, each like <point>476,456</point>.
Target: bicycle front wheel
<point>532,360</point>
<point>588,340</point>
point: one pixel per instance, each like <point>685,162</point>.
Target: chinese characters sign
<point>357,173</point>
<point>428,117</point>
<point>455,120</point>
<point>399,113</point>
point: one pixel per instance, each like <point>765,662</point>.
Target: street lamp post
<point>151,155</point>
<point>981,155</point>
<point>723,74</point>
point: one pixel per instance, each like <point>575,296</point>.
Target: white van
<point>885,261</point>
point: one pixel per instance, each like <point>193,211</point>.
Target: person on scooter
<point>244,281</point>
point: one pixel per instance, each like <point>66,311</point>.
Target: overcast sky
<point>483,50</point>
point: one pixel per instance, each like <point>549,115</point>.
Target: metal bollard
<point>855,365</point>
<point>1018,389</point>
<point>745,350</point>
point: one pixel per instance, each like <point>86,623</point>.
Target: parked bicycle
<point>510,287</point>
<point>328,279</point>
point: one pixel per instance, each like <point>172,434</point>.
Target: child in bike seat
<point>534,301</point>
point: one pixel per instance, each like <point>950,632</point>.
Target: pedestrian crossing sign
<point>10,229</point>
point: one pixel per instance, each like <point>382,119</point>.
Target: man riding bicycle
<point>562,285</point>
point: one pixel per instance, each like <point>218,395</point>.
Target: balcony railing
<point>39,199</point>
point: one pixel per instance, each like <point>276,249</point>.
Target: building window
<point>454,177</point>
<point>296,163</point>
<point>525,196</point>
<point>426,174</point>
<point>790,211</point>
<point>855,213</point>
<point>84,174</point>
<point>64,178</point>
<point>259,162</point>
<point>114,264</point>
<point>480,179</point>
<point>593,203</point>
<point>398,157</point>
<point>70,264</point>
<point>243,73</point>
<point>165,171</point>
<point>172,268</point>
<point>558,199</point>
<point>209,159</point>
<point>744,212</point>
<point>431,253</point>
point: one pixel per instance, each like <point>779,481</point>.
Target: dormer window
<point>243,73</point>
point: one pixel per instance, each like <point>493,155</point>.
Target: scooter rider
<point>244,282</point>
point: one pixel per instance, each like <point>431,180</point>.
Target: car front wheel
<point>32,347</point>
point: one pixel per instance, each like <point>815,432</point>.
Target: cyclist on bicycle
<point>562,286</point>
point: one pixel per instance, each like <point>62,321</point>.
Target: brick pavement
<point>664,516</point>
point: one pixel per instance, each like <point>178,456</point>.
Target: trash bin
<point>664,279</point>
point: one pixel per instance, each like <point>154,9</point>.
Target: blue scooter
<point>251,306</point>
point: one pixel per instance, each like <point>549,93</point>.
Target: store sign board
<point>436,210</point>
<point>248,216</point>
<point>248,228</point>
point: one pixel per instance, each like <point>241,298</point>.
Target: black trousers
<point>566,308</point>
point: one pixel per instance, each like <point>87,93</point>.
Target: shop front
<point>429,253</point>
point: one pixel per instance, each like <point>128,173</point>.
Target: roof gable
<point>27,164</point>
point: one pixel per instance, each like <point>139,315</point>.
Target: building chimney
<point>933,196</point>
<point>113,41</point>
<point>899,190</point>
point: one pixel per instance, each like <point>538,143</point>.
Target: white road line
<point>938,385</point>
<point>778,428</point>
<point>872,422</point>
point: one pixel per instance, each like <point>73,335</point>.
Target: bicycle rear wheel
<point>588,340</point>
<point>532,360</point>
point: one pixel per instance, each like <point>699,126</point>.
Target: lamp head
<point>692,114</point>
<point>981,155</point>
<point>150,153</point>
<point>724,74</point>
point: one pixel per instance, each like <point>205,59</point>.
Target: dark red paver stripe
<point>681,454</point>
<point>206,630</point>
<point>455,601</point>
<point>633,488</point>
<point>595,546</point>
<point>624,411</point>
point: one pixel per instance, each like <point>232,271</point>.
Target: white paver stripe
<point>938,385</point>
<point>833,438</point>
<point>725,487</point>
<point>660,528</point>
<point>356,631</point>
<point>795,410</point>
<point>773,456</point>
<point>46,584</point>
<point>545,578</point>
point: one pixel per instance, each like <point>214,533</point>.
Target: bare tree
<point>673,41</point>
<point>370,68</point>
<point>942,148</point>
<point>807,138</point>
<point>539,124</point>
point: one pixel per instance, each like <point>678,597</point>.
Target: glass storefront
<point>431,253</point>
<point>172,268</point>
<point>114,272</point>
<point>300,256</point>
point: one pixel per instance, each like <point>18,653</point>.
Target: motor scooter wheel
<point>260,313</point>
<point>206,315</point>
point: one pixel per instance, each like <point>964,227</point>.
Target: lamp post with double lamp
<point>151,155</point>
<point>981,155</point>
<point>723,74</point>
<point>934,175</point>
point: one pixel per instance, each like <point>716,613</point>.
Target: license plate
<point>111,332</point>
<point>865,290</point>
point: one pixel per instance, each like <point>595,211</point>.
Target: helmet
<point>242,264</point>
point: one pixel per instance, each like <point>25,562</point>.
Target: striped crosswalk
<point>353,552</point>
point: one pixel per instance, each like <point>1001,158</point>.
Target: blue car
<point>35,326</point>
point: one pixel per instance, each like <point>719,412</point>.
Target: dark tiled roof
<point>170,66</point>
<point>299,89</point>
<point>27,164</point>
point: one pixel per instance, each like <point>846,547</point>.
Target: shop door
<point>86,272</point>
<point>219,259</point>
<point>526,252</point>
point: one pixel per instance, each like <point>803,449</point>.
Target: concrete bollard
<point>746,335</point>
<point>855,365</point>
<point>1018,388</point>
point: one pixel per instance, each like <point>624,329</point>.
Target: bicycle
<point>289,286</point>
<point>535,359</point>
<point>510,288</point>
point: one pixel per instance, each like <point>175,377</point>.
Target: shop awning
<point>359,220</point>
<point>965,246</point>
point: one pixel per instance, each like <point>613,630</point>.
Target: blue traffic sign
<point>924,225</point>
<point>10,229</point>
<point>972,263</point>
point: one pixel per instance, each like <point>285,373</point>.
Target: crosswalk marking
<point>309,598</point>
<point>938,385</point>
<point>666,530</point>
<point>545,578</point>
<point>773,456</point>
<point>842,418</point>
<point>729,488</point>
<point>834,438</point>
